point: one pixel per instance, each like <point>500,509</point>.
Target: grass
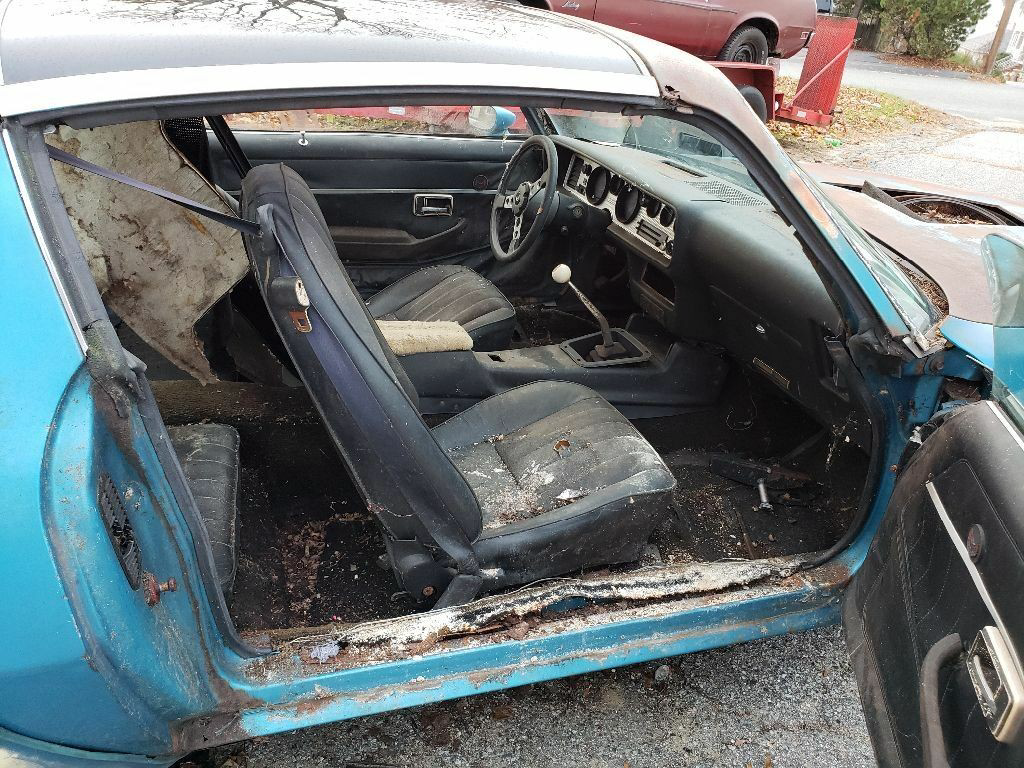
<point>862,115</point>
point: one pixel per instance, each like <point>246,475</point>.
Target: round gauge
<point>614,184</point>
<point>653,207</point>
<point>597,186</point>
<point>627,207</point>
<point>667,216</point>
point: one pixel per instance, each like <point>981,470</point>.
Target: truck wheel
<point>756,101</point>
<point>747,44</point>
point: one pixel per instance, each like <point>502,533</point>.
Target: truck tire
<point>756,101</point>
<point>747,44</point>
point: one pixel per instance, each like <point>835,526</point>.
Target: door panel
<point>682,23</point>
<point>367,184</point>
<point>946,565</point>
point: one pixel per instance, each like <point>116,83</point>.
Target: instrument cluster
<point>639,213</point>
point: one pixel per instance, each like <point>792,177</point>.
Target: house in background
<point>979,42</point>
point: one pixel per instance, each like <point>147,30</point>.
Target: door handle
<point>933,741</point>
<point>997,683</point>
<point>433,205</point>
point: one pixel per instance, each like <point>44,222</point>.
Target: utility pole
<point>1004,22</point>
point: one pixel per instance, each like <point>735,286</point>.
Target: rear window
<point>433,121</point>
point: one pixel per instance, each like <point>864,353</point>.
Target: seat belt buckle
<point>289,294</point>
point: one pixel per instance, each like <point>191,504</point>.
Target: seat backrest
<point>364,396</point>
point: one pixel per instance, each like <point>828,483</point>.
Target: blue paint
<point>460,673</point>
<point>1004,263</point>
<point>975,339</point>
<point>85,664</point>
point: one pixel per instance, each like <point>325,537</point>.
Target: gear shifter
<point>608,348</point>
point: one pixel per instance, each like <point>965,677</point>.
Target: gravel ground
<point>786,701</point>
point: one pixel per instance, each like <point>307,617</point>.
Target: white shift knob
<point>561,274</point>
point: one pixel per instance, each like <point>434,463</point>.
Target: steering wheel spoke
<point>517,232</point>
<point>504,201</point>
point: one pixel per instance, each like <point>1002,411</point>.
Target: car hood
<point>949,254</point>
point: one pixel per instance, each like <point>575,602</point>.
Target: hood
<point>949,254</point>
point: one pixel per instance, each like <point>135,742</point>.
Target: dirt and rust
<point>502,617</point>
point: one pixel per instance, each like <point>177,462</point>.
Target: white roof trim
<point>77,91</point>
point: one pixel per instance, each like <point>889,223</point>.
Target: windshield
<point>681,144</point>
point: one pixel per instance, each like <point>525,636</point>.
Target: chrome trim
<point>44,245</point>
<point>432,204</point>
<point>122,88</point>
<point>627,233</point>
<point>1010,729</point>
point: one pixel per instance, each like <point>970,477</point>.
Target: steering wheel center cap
<point>521,197</point>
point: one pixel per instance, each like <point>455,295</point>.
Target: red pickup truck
<point>727,30</point>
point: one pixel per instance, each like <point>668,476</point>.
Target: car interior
<point>470,349</point>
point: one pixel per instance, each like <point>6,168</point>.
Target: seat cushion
<point>208,454</point>
<point>450,292</point>
<point>550,446</point>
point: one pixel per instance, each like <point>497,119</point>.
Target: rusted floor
<point>308,547</point>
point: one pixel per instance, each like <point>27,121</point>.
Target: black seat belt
<point>229,144</point>
<point>244,226</point>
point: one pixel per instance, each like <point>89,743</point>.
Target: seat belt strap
<point>244,226</point>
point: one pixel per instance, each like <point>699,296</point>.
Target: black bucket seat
<point>542,480</point>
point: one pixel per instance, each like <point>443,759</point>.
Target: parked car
<point>726,30</point>
<point>318,401</point>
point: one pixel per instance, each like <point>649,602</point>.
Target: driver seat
<point>450,292</point>
<point>542,480</point>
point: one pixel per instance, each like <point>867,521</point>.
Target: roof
<point>69,44</point>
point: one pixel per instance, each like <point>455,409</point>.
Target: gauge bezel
<point>628,204</point>
<point>598,196</point>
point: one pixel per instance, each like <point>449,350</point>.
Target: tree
<point>931,28</point>
<point>859,8</point>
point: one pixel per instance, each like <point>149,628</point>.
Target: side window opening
<point>411,120</point>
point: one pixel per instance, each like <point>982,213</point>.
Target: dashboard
<point>711,261</point>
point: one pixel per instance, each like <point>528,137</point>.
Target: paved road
<point>995,160</point>
<point>953,92</point>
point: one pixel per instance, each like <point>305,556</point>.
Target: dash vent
<point>727,193</point>
<point>119,529</point>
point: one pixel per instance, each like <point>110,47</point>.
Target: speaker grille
<point>119,529</point>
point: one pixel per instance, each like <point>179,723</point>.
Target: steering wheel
<point>528,190</point>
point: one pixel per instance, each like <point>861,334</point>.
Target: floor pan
<point>308,547</point>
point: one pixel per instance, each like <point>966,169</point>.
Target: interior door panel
<point>946,565</point>
<point>367,185</point>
